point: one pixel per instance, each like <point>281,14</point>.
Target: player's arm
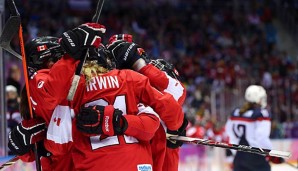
<point>162,81</point>
<point>144,125</point>
<point>168,109</point>
<point>162,75</point>
<point>262,130</point>
<point>126,54</point>
<point>48,88</point>
<point>106,120</point>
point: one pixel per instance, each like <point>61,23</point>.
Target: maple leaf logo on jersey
<point>41,48</point>
<point>57,121</point>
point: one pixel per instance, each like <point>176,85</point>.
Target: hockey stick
<point>76,78</point>
<point>10,29</point>
<point>9,163</point>
<point>244,148</point>
<point>14,11</point>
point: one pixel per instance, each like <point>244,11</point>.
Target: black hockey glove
<point>26,133</point>
<point>163,65</point>
<point>107,120</point>
<point>115,39</point>
<point>77,40</point>
<point>180,132</point>
<point>124,54</point>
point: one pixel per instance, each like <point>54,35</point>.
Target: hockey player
<point>250,125</point>
<point>137,89</point>
<point>41,54</point>
<point>165,78</point>
<point>122,89</point>
<point>59,134</point>
<point>48,97</point>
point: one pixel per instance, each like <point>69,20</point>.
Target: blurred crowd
<point>217,46</point>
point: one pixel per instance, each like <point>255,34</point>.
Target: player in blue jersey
<point>250,125</point>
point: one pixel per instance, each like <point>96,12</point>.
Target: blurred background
<point>219,48</point>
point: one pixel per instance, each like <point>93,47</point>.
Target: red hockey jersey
<point>48,90</point>
<point>124,89</point>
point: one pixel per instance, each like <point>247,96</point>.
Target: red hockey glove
<point>180,132</point>
<point>117,37</point>
<point>107,120</point>
<point>75,41</point>
<point>275,160</point>
<point>26,133</point>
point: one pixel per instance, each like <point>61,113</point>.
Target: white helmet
<point>256,94</point>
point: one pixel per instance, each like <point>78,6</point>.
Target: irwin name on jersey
<point>102,82</point>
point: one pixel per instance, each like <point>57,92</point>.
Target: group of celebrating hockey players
<point>123,109</point>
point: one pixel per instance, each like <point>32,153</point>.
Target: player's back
<point>243,128</point>
<point>123,90</point>
<point>119,88</point>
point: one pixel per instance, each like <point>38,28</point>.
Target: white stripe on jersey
<point>174,88</point>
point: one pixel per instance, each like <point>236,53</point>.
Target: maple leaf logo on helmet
<point>41,48</point>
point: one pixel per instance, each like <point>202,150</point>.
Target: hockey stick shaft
<point>12,8</point>
<point>22,45</point>
<point>244,148</point>
<point>76,78</point>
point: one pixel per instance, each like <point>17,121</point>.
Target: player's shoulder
<point>235,113</point>
<point>260,113</point>
<point>40,74</point>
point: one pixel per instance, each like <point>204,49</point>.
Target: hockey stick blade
<point>76,78</point>
<point>9,163</point>
<point>244,148</point>
<point>10,29</point>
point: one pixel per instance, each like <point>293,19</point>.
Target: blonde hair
<point>247,106</point>
<point>92,69</point>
